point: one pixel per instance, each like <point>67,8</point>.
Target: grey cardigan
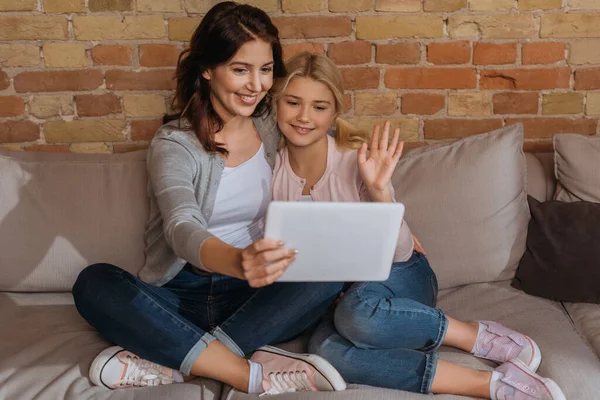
<point>182,186</point>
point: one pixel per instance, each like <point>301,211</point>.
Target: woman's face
<point>305,111</point>
<point>238,85</point>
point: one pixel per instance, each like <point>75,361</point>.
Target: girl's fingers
<point>362,154</point>
<point>375,139</point>
<point>398,152</point>
<point>385,137</point>
<point>394,143</point>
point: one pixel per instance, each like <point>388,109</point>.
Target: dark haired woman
<point>205,297</point>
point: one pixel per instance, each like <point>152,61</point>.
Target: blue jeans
<point>387,333</point>
<point>172,324</point>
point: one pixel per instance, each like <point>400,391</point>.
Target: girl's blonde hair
<point>321,69</point>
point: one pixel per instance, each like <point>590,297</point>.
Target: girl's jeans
<point>172,324</point>
<point>386,333</point>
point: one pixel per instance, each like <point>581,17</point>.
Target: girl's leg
<point>396,313</point>
<point>400,312</point>
<point>415,371</point>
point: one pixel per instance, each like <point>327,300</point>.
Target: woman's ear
<point>206,74</point>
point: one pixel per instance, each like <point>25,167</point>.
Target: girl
<point>385,333</point>
<point>196,308</point>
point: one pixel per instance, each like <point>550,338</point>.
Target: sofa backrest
<point>62,212</point>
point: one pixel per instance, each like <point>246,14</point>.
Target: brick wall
<point>96,75</point>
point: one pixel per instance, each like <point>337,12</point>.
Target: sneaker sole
<point>553,388</point>
<point>536,358</point>
<point>99,362</point>
<point>319,363</point>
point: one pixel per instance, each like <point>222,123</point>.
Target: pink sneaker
<point>517,382</point>
<point>291,372</point>
<point>117,368</point>
<point>499,343</point>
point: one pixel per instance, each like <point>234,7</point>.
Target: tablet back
<point>343,242</point>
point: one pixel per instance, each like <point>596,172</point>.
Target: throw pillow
<point>562,260</point>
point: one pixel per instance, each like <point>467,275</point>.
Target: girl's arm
<point>376,170</point>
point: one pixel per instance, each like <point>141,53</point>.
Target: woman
<point>385,333</point>
<point>205,297</point>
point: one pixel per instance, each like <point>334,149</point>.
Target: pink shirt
<point>340,182</point>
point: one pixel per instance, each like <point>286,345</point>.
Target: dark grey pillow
<point>562,260</point>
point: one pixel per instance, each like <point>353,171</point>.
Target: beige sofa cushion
<point>586,318</point>
<point>566,358</point>
<point>46,350</point>
<point>466,202</point>
<point>577,167</point>
<point>61,212</point>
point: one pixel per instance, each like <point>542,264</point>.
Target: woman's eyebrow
<point>248,64</point>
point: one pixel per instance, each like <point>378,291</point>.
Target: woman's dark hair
<point>223,30</point>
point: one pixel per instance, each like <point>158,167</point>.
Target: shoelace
<point>143,373</point>
<point>286,382</point>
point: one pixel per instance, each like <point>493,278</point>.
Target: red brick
<point>422,103</point>
<point>516,103</point>
<point>398,53</point>
<point>48,148</point>
<point>159,55</point>
<point>587,79</point>
<point>431,78</point>
<point>312,27</point>
<point>145,129</point>
<point>347,102</point>
<point>543,53</point>
<point>546,127</point>
<point>491,53</point>
<point>58,81</point>
<point>350,52</point>
<point>4,81</point>
<point>144,80</point>
<point>112,55</point>
<point>360,78</point>
<point>456,128</point>
<point>538,146</point>
<point>128,147</point>
<point>89,105</point>
<point>11,106</point>
<point>292,49</point>
<point>526,79</point>
<point>449,53</point>
<point>19,131</point>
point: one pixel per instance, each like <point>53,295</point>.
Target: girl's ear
<point>206,74</point>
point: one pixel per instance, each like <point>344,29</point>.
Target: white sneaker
<point>116,368</point>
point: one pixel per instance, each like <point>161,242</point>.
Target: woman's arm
<point>172,168</point>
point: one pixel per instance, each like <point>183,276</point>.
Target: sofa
<point>61,212</point>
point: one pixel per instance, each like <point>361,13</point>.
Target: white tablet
<point>340,242</point>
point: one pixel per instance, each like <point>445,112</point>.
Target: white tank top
<point>242,198</point>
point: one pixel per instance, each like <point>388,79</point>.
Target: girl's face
<point>305,111</point>
<point>238,85</point>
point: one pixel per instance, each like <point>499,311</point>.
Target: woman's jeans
<point>172,324</point>
<point>387,333</point>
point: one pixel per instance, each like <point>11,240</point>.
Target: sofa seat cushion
<point>566,357</point>
<point>586,318</point>
<point>46,350</point>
